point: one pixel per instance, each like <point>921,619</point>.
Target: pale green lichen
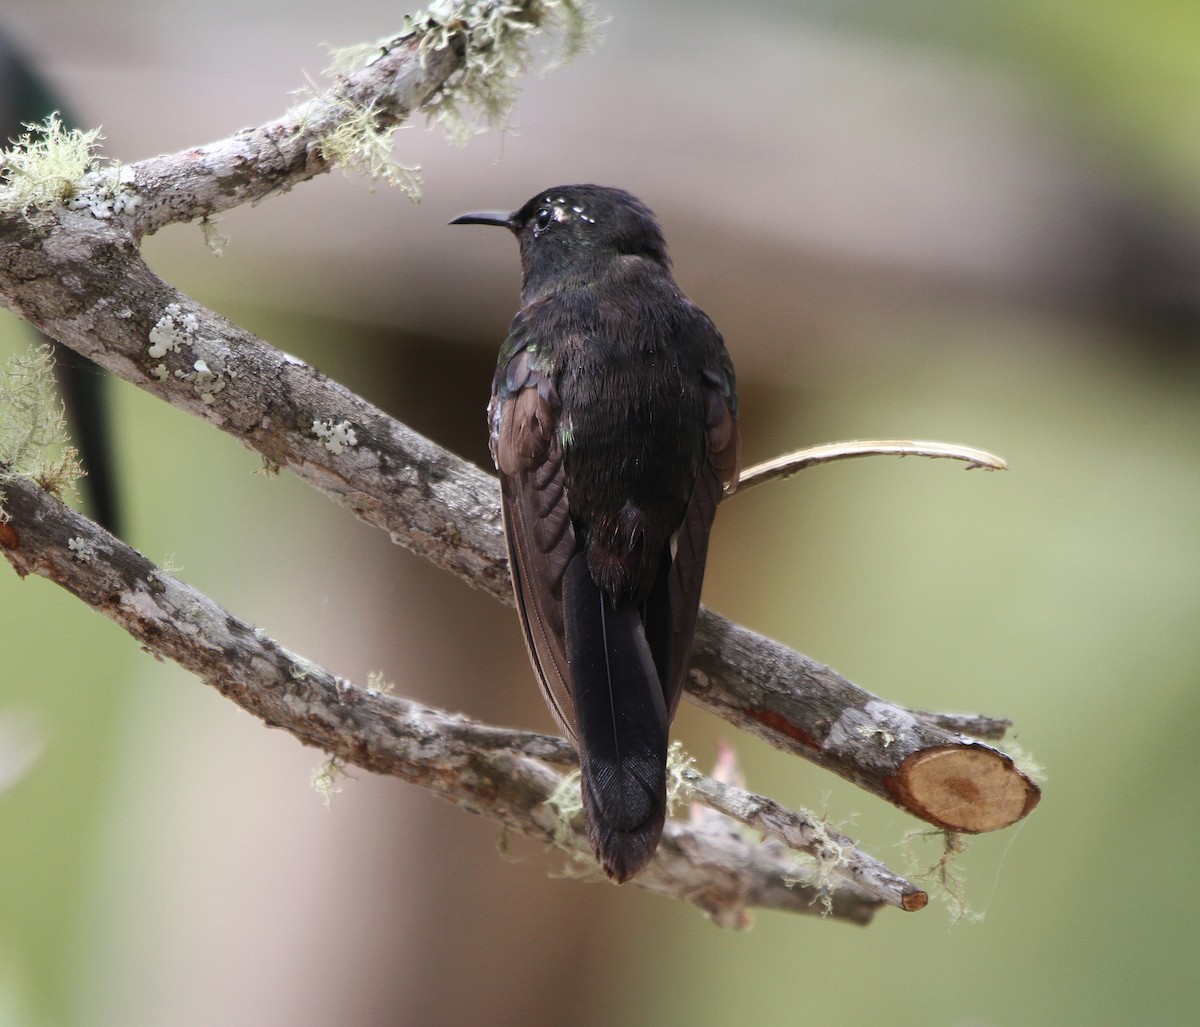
<point>360,144</point>
<point>214,240</point>
<point>33,431</point>
<point>43,167</point>
<point>51,165</point>
<point>206,382</point>
<point>566,802</point>
<point>495,39</point>
<point>377,684</point>
<point>496,44</point>
<point>327,779</point>
<point>821,868</point>
<point>1029,766</point>
<point>679,766</point>
<point>945,877</point>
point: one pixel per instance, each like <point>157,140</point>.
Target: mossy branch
<point>120,314</point>
<point>495,772</point>
<point>457,63</point>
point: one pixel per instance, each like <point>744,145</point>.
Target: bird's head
<point>570,233</point>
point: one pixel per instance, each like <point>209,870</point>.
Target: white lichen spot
<point>206,382</point>
<point>172,330</point>
<point>106,193</point>
<point>885,736</point>
<point>160,372</point>
<point>335,437</point>
<point>143,605</point>
<point>876,720</point>
<point>84,551</point>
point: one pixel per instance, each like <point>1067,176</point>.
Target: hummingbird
<point>613,425</point>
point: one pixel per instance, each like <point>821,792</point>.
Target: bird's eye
<point>544,216</point>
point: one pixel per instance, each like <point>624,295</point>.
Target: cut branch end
<point>965,788</point>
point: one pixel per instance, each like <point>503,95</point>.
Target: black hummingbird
<point>613,424</point>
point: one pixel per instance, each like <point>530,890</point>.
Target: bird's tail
<point>621,724</point>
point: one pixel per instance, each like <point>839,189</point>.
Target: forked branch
<point>74,270</point>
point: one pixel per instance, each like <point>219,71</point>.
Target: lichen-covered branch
<point>70,265</point>
<point>124,317</point>
<point>496,772</point>
<point>455,62</point>
<point>833,852</point>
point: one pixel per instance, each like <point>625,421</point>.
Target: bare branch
<point>977,725</point>
<point>492,771</point>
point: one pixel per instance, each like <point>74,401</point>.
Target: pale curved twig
<point>792,463</point>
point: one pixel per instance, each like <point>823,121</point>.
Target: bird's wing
<point>718,476</point>
<point>537,523</point>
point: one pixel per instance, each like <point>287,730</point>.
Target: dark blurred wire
<point>26,99</point>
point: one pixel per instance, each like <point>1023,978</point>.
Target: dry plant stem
<point>447,511</point>
<point>487,770</point>
<point>792,463</point>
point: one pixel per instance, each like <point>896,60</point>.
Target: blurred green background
<point>978,223</point>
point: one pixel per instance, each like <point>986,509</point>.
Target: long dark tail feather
<point>621,722</point>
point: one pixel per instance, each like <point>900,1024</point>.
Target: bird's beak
<point>485,217</point>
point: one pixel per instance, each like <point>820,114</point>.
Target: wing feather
<point>718,477</point>
<point>540,537</point>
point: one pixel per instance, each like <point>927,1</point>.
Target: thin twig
<point>833,852</point>
<point>792,463</point>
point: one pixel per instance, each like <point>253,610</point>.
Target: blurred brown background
<point>978,223</point>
